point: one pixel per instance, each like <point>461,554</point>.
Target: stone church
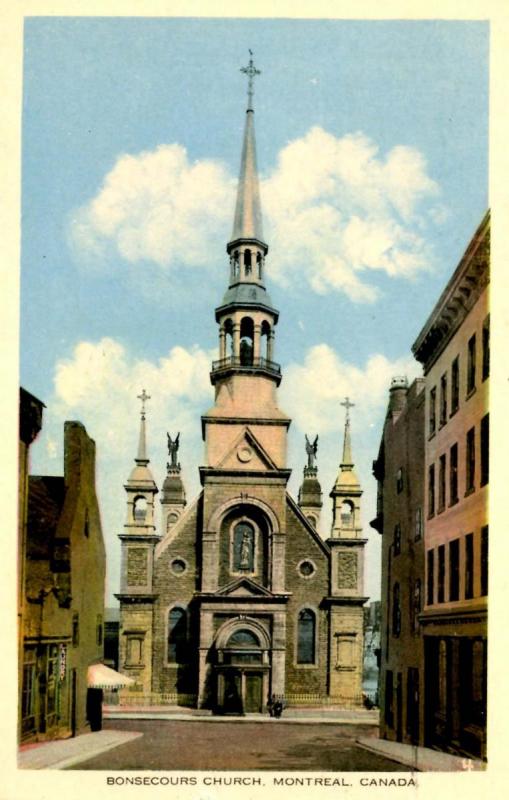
<point>236,598</point>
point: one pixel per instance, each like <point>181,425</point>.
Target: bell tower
<point>246,376</point>
<point>137,565</point>
<point>346,577</point>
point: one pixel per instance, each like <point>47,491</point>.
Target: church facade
<point>235,598</point>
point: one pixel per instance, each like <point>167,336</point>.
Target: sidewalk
<point>421,759</point>
<point>64,753</point>
<point>302,716</point>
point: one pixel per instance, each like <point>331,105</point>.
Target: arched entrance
<point>242,668</point>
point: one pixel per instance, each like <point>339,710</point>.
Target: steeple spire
<point>247,223</point>
<point>347,461</point>
<point>141,457</point>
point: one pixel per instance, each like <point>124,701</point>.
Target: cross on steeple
<point>348,405</point>
<point>251,73</point>
<point>143,397</point>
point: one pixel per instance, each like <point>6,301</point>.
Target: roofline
<point>452,285</point>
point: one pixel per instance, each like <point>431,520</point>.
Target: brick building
<point>61,580</point>
<point>434,457</point>
<point>399,470</point>
<point>454,349</point>
<point>237,598</point>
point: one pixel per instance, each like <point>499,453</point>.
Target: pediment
<point>244,587</point>
<point>247,453</point>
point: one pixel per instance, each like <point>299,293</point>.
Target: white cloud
<point>156,206</point>
<point>313,390</point>
<point>336,210</point>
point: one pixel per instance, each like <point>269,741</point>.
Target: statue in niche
<point>311,450</point>
<point>173,446</point>
<point>244,547</point>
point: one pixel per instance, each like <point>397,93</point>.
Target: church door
<point>254,686</point>
<point>232,702</point>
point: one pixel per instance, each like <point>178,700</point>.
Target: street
<point>193,745</point>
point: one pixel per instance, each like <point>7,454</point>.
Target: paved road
<point>172,745</point>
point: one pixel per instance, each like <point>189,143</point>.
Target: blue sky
<point>372,151</point>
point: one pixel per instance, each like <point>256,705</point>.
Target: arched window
<point>347,514</point>
<point>259,262</point>
<point>228,332</point>
<point>265,331</point>
<point>140,509</point>
<point>306,627</point>
<point>236,264</point>
<point>177,636</point>
<point>243,638</point>
<point>246,341</point>
<point>247,261</point>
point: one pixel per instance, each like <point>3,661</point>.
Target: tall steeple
<point>346,491</point>
<point>247,223</point>
<point>246,375</point>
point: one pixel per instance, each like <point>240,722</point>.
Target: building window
<point>455,385</point>
<point>396,610</point>
<point>443,399</point>
<point>416,603</point>
<point>140,509</point>
<point>177,636</point>
<point>432,411</point>
<point>28,692</point>
<point>485,449</point>
<point>484,561</point>
<point>470,462</point>
<point>306,628</point>
<point>486,348</point>
<point>441,483</point>
<point>454,569</point>
<point>430,588</point>
<point>418,524</point>
<point>389,715</point>
<point>469,566</point>
<point>431,490</point>
<point>441,574</point>
<point>399,480</point>
<point>99,631</point>
<point>471,365</point>
<point>453,475</point>
<point>397,539</point>
<point>75,629</point>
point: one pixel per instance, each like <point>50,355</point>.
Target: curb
<point>253,720</point>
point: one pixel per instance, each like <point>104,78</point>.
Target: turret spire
<point>347,460</point>
<point>141,457</point>
<point>346,491</point>
<point>247,222</point>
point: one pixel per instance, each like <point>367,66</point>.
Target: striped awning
<point>99,676</point>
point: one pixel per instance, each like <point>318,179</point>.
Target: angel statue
<point>311,450</point>
<point>173,446</point>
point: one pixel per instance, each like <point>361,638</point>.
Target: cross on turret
<point>251,73</point>
<point>143,397</point>
<point>348,405</point>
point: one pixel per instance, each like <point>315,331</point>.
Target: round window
<point>178,566</point>
<point>306,569</point>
